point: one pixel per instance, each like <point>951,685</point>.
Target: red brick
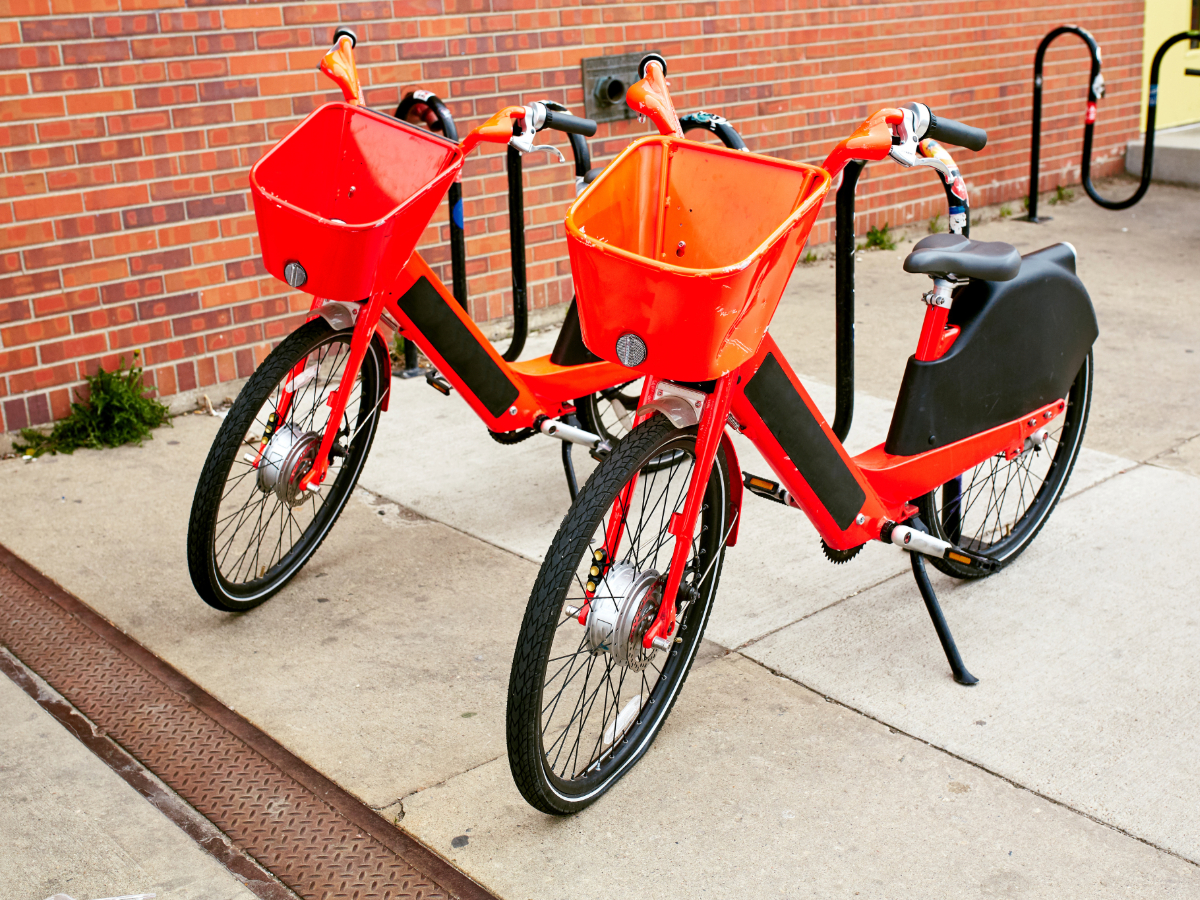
<point>175,305</point>
<point>65,80</point>
<point>23,285</point>
<point>22,185</point>
<point>58,255</point>
<point>245,268</point>
<point>131,290</point>
<point>14,311</point>
<point>150,120</point>
<point>73,348</point>
<point>39,158</point>
<point>30,108</point>
<point>204,67</point>
<point>56,29</point>
<point>108,270</point>
<point>308,13</point>
<point>99,102</point>
<point>263,17</point>
<point>47,207</point>
<point>192,116</point>
<point>36,331</point>
<point>160,262</point>
<point>134,73</point>
<point>180,187</point>
<point>194,278</point>
<point>193,20</point>
<point>164,95</point>
<point>105,317</point>
<point>162,47</point>
<point>122,26</point>
<point>15,415</point>
<point>124,244</point>
<point>71,129</point>
<point>175,142</point>
<point>147,169</point>
<point>28,57</point>
<point>185,373</point>
<point>237,42</point>
<point>94,52</point>
<point>86,176</point>
<point>153,215</point>
<point>21,358</point>
<point>237,134</point>
<point>139,334</point>
<point>55,304</point>
<point>87,226</point>
<point>129,195</point>
<point>103,151</point>
<point>25,234</point>
<point>211,91</point>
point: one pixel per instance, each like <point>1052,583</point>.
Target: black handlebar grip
<point>560,121</point>
<point>950,132</point>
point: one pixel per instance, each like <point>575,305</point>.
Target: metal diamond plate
<point>314,837</point>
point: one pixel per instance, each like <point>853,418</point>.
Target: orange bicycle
<point>680,253</point>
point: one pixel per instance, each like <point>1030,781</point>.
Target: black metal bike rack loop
<point>1095,92</point>
<point>844,250</point>
<point>433,112</point>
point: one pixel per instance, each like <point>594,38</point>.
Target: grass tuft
<point>116,412</point>
<point>879,239</point>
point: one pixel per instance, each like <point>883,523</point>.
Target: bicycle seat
<point>953,255</point>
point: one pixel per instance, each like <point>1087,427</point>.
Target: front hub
<point>621,612</point>
<point>287,458</point>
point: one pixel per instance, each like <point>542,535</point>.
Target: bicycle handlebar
<point>561,121</point>
<point>949,131</point>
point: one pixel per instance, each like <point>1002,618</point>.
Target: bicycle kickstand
<point>569,464</point>
<point>961,675</point>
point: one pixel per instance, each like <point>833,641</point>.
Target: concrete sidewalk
<point>821,749</point>
<point>70,825</point>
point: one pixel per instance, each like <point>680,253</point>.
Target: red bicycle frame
<point>849,500</point>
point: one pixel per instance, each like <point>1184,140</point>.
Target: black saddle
<point>954,255</point>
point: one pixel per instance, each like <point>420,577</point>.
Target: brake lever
<point>910,130</point>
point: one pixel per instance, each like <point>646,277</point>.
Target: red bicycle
<point>340,204</point>
<point>680,253</point>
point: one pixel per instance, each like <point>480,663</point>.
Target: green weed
<point>935,224</point>
<point>1062,195</point>
<point>1005,212</point>
<point>879,239</point>
<point>116,412</point>
<point>808,259</point>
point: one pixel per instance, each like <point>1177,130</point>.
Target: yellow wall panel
<point>1178,94</point>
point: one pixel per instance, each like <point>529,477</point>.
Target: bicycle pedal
<point>767,489</point>
<point>916,541</point>
<point>438,383</point>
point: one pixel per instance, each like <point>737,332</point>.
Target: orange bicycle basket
<point>687,248</point>
<point>347,196</point>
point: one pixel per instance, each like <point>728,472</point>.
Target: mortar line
<point>973,764</point>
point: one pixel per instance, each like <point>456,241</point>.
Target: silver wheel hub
<point>621,612</point>
<point>287,458</point>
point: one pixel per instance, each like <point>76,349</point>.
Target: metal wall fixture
<point>1095,92</point>
<point>605,80</point>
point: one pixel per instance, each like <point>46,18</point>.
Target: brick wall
<point>127,128</point>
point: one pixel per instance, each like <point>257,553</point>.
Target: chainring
<point>838,557</point>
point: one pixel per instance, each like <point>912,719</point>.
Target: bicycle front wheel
<point>997,508</point>
<point>585,701</point>
<point>251,530</point>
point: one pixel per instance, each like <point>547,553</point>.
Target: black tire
<point>226,566</point>
<point>610,413</point>
<point>1005,503</point>
<point>634,708</point>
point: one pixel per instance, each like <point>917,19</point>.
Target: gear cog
<point>837,557</point>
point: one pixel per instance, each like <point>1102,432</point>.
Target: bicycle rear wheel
<point>251,531</point>
<point>586,701</point>
<point>997,508</point>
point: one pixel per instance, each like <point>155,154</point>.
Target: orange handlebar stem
<point>872,140</point>
<point>496,130</point>
<point>338,64</point>
<point>651,98</point>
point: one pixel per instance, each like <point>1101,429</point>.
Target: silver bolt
<point>1031,422</point>
<point>860,519</point>
<point>1048,414</point>
<point>512,411</point>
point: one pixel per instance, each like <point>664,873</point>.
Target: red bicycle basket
<point>347,195</point>
<point>687,247</point>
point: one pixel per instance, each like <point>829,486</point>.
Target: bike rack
<point>438,118</point>
<point>1095,92</point>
